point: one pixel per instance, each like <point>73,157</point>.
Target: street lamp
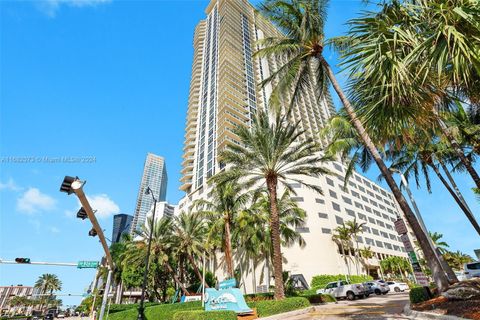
<point>141,309</point>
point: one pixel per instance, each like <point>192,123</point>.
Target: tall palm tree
<point>457,259</point>
<point>343,237</point>
<point>189,237</point>
<point>47,282</point>
<point>273,152</point>
<point>355,229</point>
<point>301,45</point>
<point>227,200</point>
<point>366,254</point>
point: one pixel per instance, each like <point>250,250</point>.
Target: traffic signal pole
<point>62,264</point>
<point>77,188</point>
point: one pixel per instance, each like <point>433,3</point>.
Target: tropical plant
<point>342,236</point>
<point>457,259</point>
<point>355,230</point>
<point>47,282</point>
<point>366,254</point>
<point>436,239</point>
<point>189,238</point>
<point>253,232</point>
<point>395,265</point>
<point>272,152</point>
<point>226,202</point>
<point>301,45</point>
<point>160,253</point>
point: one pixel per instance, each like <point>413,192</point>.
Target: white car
<point>379,287</point>
<point>471,270</point>
<point>398,286</point>
<point>343,289</point>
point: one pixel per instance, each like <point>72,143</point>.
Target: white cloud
<point>54,230</point>
<point>33,201</point>
<point>51,7</point>
<point>9,185</point>
<point>104,205</point>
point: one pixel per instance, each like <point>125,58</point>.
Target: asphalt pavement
<point>388,306</point>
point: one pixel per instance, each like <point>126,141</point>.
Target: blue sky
<point>107,82</point>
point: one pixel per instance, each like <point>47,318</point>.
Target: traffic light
<point>92,233</point>
<point>67,184</point>
<point>82,214</point>
<point>22,260</point>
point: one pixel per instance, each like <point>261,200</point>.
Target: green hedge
<point>258,296</point>
<point>205,315</point>
<point>163,311</point>
<point>322,280</point>
<point>418,294</point>
<point>122,307</point>
<point>270,307</point>
<point>319,298</point>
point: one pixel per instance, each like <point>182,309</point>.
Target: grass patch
<point>163,311</point>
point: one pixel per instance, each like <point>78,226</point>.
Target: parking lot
<point>388,306</point>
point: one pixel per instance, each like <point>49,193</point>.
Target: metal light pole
<point>446,268</point>
<point>141,309</point>
<point>74,185</point>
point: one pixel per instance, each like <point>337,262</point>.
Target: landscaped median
<point>194,310</point>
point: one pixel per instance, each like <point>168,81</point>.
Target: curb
<point>289,314</point>
<point>427,315</point>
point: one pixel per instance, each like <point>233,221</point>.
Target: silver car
<point>379,287</point>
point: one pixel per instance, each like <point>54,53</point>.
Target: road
<point>389,306</point>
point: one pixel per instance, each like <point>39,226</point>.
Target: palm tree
<point>272,152</point>
<point>342,237</point>
<point>441,245</point>
<point>226,202</point>
<point>355,229</point>
<point>301,45</point>
<point>47,282</point>
<point>457,259</point>
<point>366,254</point>
<point>160,254</point>
<point>189,237</point>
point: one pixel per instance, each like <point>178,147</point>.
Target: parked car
<point>471,270</point>
<point>398,286</point>
<point>343,289</point>
<point>368,289</point>
<point>379,287</point>
<point>49,316</point>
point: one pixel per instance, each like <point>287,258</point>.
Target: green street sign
<point>413,257</point>
<point>87,265</point>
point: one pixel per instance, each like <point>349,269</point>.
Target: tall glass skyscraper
<point>155,177</point>
<point>121,224</point>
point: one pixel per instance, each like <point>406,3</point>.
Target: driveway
<point>389,306</point>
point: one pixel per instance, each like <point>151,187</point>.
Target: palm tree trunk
<point>228,248</point>
<point>453,142</point>
<point>175,277</point>
<point>439,276</point>
<point>254,276</point>
<point>345,260</point>
<point>279,292</point>
<point>356,254</point>
<point>459,201</point>
<point>196,270</point>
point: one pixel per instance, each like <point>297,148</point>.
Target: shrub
<point>205,315</point>
<point>322,280</point>
<point>122,307</point>
<point>418,294</point>
<point>258,296</point>
<point>270,307</point>
<point>328,298</point>
<point>319,298</point>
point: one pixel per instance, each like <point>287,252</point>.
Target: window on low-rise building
<point>302,229</point>
<point>318,200</point>
<point>297,199</point>
<point>326,231</point>
<point>323,215</point>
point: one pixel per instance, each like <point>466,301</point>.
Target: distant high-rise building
<point>155,177</point>
<point>121,224</point>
